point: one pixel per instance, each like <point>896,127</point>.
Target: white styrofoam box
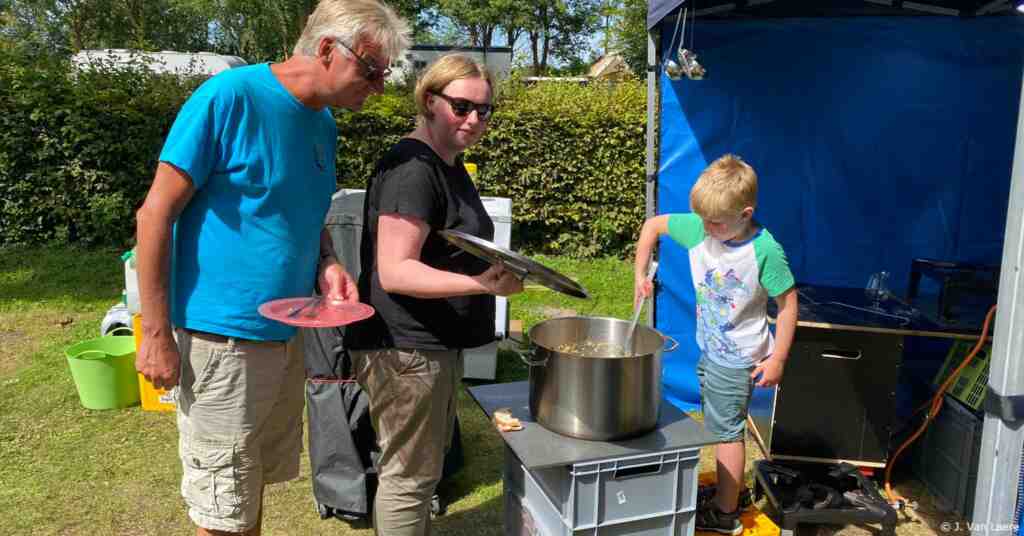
<point>482,362</point>
<point>500,211</point>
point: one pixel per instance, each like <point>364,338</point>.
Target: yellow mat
<point>755,522</point>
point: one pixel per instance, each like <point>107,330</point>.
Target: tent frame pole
<point>999,464</point>
<point>653,128</point>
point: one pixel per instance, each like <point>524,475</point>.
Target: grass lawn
<point>70,471</point>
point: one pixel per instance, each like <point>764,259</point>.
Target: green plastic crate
<point>969,387</point>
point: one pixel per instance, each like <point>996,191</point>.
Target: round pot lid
<point>524,267</point>
<point>307,312</point>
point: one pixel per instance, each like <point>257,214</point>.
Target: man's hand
<point>158,360</point>
<point>335,283</point>
<point>770,371</point>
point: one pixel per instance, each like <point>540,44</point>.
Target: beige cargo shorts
<point>240,424</point>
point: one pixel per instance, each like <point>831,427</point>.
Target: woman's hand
<point>335,283</point>
<point>400,240</point>
<point>499,281</point>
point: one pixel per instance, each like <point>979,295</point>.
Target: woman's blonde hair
<point>724,189</point>
<point>348,21</point>
<point>444,71</point>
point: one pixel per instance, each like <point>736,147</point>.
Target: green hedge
<point>77,154</point>
<point>572,160</point>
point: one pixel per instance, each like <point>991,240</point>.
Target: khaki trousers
<point>412,407</point>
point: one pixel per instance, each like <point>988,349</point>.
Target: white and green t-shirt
<point>733,282</point>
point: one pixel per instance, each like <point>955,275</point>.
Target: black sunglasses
<point>371,72</point>
<point>462,107</point>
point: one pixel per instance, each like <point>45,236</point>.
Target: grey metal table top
<point>537,447</point>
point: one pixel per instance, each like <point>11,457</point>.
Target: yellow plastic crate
<point>152,399</point>
<point>755,522</point>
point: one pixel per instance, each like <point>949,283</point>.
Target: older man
<point>234,219</point>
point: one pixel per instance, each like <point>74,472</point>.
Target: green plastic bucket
<point>104,371</point>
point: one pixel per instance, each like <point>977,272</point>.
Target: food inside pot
<point>593,349</point>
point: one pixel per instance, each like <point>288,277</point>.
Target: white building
<point>497,59</point>
<point>168,61</point>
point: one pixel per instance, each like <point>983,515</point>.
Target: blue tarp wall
<point>876,140</point>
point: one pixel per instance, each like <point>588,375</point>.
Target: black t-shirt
<point>413,181</point>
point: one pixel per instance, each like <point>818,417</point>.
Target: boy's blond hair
<point>724,189</point>
<point>445,70</point>
<point>349,21</point>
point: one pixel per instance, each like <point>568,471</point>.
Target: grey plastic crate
<point>947,457</point>
<point>650,494</point>
<point>519,517</point>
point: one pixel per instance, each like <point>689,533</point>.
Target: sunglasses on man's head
<point>371,72</point>
<point>462,107</point>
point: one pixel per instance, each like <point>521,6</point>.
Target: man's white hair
<point>348,21</point>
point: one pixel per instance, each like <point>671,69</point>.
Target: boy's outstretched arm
<point>770,370</point>
<point>649,233</point>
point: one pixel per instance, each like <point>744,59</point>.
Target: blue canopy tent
<point>881,132</point>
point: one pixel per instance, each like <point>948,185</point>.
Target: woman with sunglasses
<point>432,299</point>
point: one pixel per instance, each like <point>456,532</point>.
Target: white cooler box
<point>345,224</point>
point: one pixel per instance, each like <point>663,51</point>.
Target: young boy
<point>736,265</point>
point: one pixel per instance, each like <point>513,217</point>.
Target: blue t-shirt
<point>262,164</point>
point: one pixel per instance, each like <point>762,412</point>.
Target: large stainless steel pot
<point>595,396</point>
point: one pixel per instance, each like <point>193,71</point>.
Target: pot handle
<point>675,344</point>
<point>528,361</point>
<point>520,342</point>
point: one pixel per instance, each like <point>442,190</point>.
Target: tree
<point>607,12</point>
<point>7,39</point>
<point>256,30</point>
<point>421,14</point>
<point>477,19</point>
<point>146,25</point>
<point>259,31</point>
<point>628,32</point>
<point>515,19</point>
<point>67,26</point>
<point>37,24</point>
<point>559,29</point>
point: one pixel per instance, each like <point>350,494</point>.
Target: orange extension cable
<point>935,406</point>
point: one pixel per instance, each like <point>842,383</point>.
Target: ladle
<point>651,269</point>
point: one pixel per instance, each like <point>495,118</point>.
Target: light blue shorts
<point>725,398</point>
